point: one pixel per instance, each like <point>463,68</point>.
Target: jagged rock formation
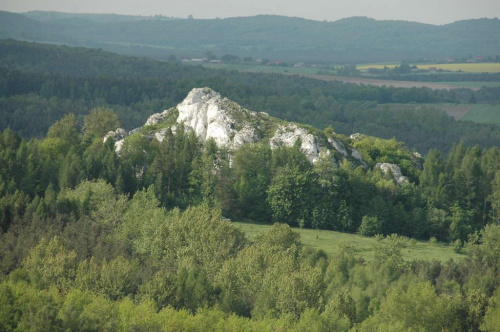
<point>118,136</point>
<point>395,171</point>
<point>211,116</point>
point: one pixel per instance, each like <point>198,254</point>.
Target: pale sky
<point>425,11</point>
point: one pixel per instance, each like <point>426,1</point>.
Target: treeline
<point>130,265</point>
<point>31,102</point>
<point>194,272</point>
<point>449,199</point>
<point>95,241</point>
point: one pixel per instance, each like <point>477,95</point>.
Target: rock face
<point>118,136</point>
<point>395,171</point>
<point>287,135</point>
<point>210,116</point>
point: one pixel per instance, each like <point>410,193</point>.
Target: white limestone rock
<point>357,136</point>
<point>160,135</point>
<point>157,118</point>
<point>338,145</point>
<point>203,112</point>
<point>246,135</point>
<point>355,154</point>
<point>287,135</point>
<point>210,116</point>
<point>118,136</point>
<point>119,146</point>
<point>395,171</point>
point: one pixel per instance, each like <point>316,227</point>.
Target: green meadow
<point>483,114</point>
<point>330,241</point>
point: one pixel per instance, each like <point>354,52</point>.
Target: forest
<point>144,237</point>
<point>40,83</point>
<point>148,239</point>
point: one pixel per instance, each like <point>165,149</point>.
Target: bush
<point>370,226</point>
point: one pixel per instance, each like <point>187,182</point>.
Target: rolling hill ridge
<point>356,39</point>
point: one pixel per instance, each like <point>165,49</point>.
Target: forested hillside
<point>107,229</point>
<point>92,240</point>
<point>356,39</point>
<point>40,83</point>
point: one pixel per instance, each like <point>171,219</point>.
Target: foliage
<point>136,88</point>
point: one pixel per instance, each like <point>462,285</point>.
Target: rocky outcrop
<point>287,135</point>
<point>210,116</point>
<point>118,136</point>
<point>394,170</point>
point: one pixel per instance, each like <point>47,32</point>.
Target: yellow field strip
<point>465,67</point>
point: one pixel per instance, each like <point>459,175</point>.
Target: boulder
<point>395,171</point>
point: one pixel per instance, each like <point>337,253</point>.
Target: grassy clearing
<point>329,241</point>
<point>483,114</point>
<point>465,67</point>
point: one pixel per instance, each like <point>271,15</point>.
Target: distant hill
<point>356,39</point>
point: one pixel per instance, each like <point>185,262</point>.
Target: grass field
<point>329,241</point>
<point>465,67</point>
<point>483,114</point>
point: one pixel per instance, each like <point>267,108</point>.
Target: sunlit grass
<point>329,242</point>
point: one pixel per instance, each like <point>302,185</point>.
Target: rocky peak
<point>210,116</point>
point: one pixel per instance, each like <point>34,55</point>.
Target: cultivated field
<point>483,114</point>
<point>396,84</point>
<point>329,75</point>
<point>329,241</point>
<point>465,67</point>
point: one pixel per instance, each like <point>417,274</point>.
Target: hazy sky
<point>426,11</point>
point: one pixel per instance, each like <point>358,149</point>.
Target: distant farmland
<point>483,114</point>
<point>465,67</point>
<point>330,75</point>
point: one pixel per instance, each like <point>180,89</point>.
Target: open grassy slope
<point>329,241</point>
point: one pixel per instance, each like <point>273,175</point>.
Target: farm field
<point>483,114</point>
<point>396,84</point>
<point>465,67</point>
<point>329,75</point>
<point>330,241</point>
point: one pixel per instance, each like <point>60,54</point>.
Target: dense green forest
<point>40,83</point>
<point>143,240</point>
<point>290,39</point>
<point>95,241</point>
